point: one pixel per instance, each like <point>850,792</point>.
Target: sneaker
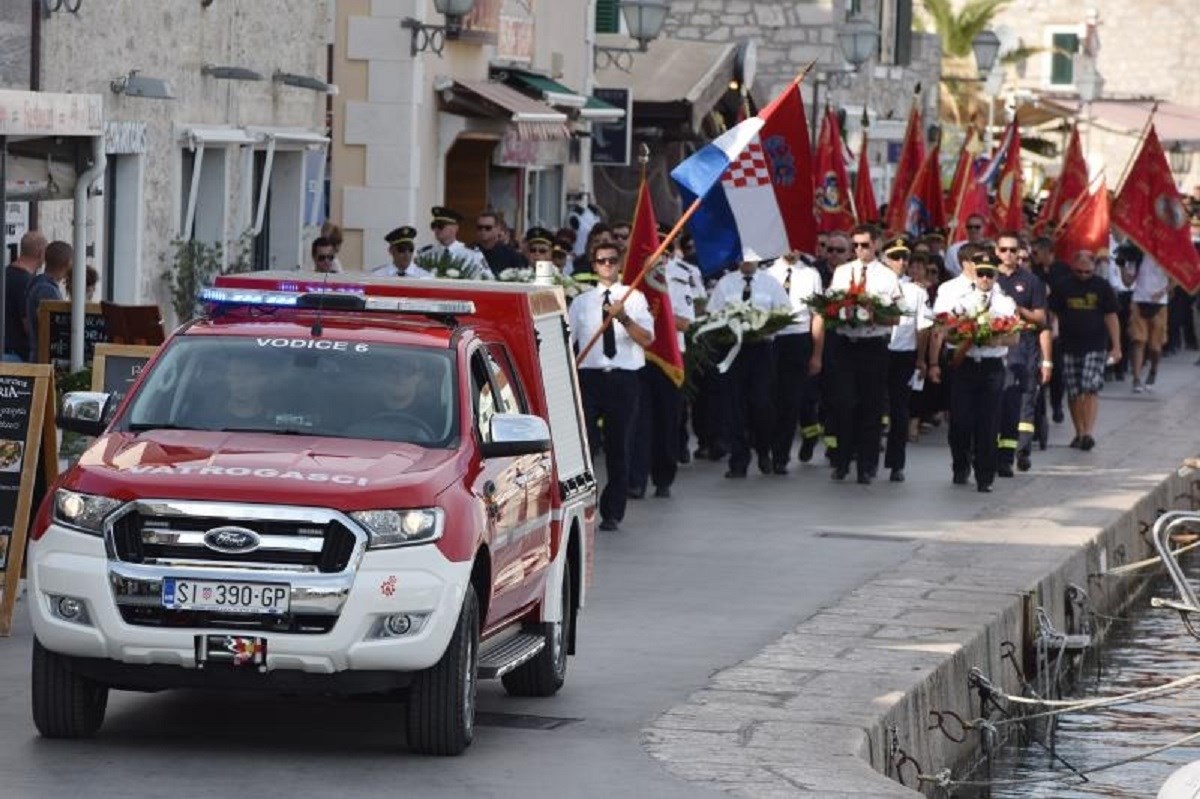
<point>1086,443</point>
<point>984,488</point>
<point>1150,378</point>
<point>1138,388</point>
<point>1075,442</point>
<point>897,476</point>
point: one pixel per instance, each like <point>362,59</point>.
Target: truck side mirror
<point>514,434</point>
<point>85,412</point>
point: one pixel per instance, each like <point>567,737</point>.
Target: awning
<point>217,135</point>
<point>533,119</point>
<point>289,136</point>
<point>674,77</point>
<point>597,110</point>
<point>1176,124</point>
<point>591,109</point>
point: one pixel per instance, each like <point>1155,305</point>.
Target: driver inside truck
<point>408,403</point>
<point>240,399</point>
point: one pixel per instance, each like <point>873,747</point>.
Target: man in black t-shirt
<point>1086,309</point>
<point>16,283</point>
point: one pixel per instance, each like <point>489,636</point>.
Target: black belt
<point>867,339</point>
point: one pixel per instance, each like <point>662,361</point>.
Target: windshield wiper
<point>282,431</point>
<point>141,427</point>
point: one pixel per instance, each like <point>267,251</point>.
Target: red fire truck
<point>353,486</point>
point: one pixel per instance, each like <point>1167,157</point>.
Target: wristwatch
<point>1047,364</point>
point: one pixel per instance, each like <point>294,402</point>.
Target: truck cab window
<point>503,376</point>
<point>487,403</point>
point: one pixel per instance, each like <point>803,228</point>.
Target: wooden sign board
<point>26,433</point>
<point>54,332</point>
<point>117,367</point>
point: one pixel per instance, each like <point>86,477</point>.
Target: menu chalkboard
<point>54,332</point>
<point>25,397</point>
<point>117,367</point>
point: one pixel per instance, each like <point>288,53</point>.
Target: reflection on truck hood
<point>186,464</point>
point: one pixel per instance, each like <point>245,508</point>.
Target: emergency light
<point>334,299</point>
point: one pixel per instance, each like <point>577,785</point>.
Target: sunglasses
<point>484,227</point>
<point>1006,249</point>
<point>610,260</point>
<point>1082,272</point>
<point>986,274</point>
<point>862,245</point>
<point>902,256</point>
<point>539,250</point>
<point>620,235</point>
<point>325,257</point>
<point>838,250</point>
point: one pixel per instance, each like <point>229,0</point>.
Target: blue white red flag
<point>755,186</point>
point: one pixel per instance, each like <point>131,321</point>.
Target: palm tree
<point>962,100</point>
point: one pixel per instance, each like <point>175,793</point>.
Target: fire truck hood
<point>344,474</point>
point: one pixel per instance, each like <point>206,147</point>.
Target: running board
<point>510,654</point>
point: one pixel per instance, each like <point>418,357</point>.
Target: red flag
<point>643,241</point>
<point>911,155</point>
<point>1007,213</point>
<point>1148,209</point>
<point>923,208</point>
<point>1072,185</point>
<point>864,191</point>
<point>832,204</point>
<point>973,202</point>
<point>962,169</point>
<point>1085,225</point>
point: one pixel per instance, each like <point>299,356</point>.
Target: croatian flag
<point>755,187</point>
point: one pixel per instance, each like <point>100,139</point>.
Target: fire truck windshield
<point>300,386</point>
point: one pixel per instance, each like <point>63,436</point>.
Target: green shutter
<point>608,16</point>
<point>1063,46</point>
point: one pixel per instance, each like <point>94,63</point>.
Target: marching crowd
<point>864,392</point>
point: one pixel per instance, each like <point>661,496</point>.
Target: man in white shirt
<point>747,384</point>
<point>401,242</point>
<point>979,373</point>
<point>797,352</point>
<point>976,227</point>
<point>608,372</point>
<point>907,353</point>
<point>445,231</point>
<point>660,404</point>
<point>860,369</point>
<point>1148,320</point>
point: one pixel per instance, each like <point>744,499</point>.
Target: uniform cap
<point>897,246</point>
<point>445,216</point>
<point>402,235</point>
<point>987,258</point>
<point>539,235</point>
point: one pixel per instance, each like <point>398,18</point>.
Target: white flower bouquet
<point>734,324</point>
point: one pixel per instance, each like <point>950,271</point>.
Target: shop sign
<point>516,39</point>
<point>49,114</point>
<point>514,151</point>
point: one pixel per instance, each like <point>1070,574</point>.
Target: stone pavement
<point>812,714</point>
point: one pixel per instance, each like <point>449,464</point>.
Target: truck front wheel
<point>441,700</point>
<point>547,671</point>
<point>65,703</point>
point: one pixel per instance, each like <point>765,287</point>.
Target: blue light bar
<point>274,299</point>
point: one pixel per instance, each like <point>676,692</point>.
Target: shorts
<point>1150,331</point>
<point>1083,374</point>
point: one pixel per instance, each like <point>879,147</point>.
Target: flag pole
<point>1073,210</point>
<point>1141,142</point>
<point>667,241</point>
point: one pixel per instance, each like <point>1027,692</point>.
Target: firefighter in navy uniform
<point>1029,363</point>
<point>979,373</point>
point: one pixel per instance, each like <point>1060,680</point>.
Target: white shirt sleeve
<point>639,310</point>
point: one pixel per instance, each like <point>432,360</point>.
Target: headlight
<point>397,528</point>
<point>84,512</point>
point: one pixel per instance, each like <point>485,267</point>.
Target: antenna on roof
<point>317,329</point>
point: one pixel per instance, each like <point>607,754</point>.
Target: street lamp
<point>858,40</point>
<point>644,19</point>
<point>434,37</point>
<point>986,46</point>
<point>1090,85</point>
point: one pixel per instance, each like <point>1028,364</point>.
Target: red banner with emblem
<point>1072,184</point>
<point>1007,213</point>
<point>924,208</point>
<point>864,191</point>
<point>663,352</point>
<point>963,168</point>
<point>1149,211</point>
<point>911,155</point>
<point>1085,226</point>
<point>832,202</point>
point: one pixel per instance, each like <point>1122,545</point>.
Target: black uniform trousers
<point>748,392</point>
<point>975,416</point>
<point>1018,408</point>
<point>795,392</point>
<point>901,365</point>
<point>859,381</point>
<point>611,395</point>
<point>656,432</point>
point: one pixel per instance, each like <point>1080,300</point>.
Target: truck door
<point>499,486</point>
<point>536,476</point>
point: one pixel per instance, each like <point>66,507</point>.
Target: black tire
<point>65,703</point>
<point>545,674</point>
<point>441,700</point>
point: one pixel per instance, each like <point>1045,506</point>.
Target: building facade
<point>215,117</point>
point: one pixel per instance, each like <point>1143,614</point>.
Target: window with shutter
<point>1063,47</point>
<point>608,16</point>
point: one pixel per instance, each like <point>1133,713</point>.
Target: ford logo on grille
<point>232,540</point>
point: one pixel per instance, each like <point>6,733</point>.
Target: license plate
<point>225,597</point>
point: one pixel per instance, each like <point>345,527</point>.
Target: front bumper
<point>415,580</point>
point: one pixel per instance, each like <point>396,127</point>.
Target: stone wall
<point>14,44</point>
<point>173,39</point>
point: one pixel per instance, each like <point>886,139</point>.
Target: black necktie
<point>746,290</point>
<point>610,333</point>
<point>787,282</point>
